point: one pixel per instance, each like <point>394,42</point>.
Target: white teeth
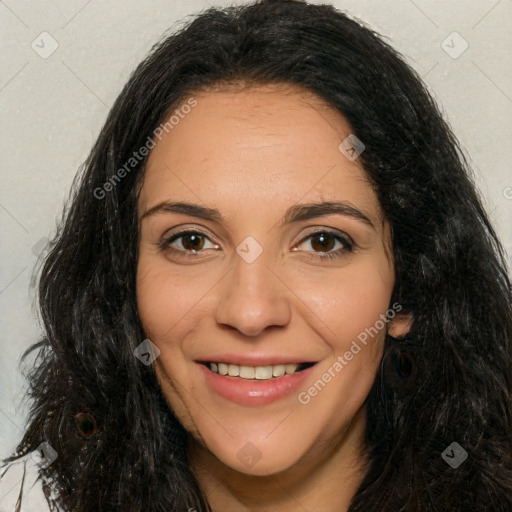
<point>247,372</point>
<point>253,372</point>
<point>278,370</point>
<point>290,368</point>
<point>263,372</point>
<point>234,370</point>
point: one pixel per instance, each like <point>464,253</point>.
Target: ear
<point>400,324</point>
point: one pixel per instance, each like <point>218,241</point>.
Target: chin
<point>260,458</point>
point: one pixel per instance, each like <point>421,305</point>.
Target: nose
<point>253,298</point>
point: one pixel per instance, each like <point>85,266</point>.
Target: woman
<point>275,289</point>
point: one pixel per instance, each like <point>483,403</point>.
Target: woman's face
<point>262,245</point>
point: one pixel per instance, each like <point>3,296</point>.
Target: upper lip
<point>254,359</point>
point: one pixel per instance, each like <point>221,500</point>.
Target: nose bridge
<point>252,298</point>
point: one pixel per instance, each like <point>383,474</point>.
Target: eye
<point>324,241</point>
<point>187,243</point>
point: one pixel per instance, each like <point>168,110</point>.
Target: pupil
<point>325,242</point>
<point>192,242</point>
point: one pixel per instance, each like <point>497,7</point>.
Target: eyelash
<point>348,245</point>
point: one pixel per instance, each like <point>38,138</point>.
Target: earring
<point>85,425</point>
<point>400,364</point>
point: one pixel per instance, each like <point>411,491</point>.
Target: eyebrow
<point>295,213</point>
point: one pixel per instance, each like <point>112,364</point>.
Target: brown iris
<point>325,242</point>
<point>192,242</point>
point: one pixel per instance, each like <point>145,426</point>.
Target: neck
<point>327,478</point>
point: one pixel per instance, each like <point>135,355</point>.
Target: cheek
<point>352,308</point>
<point>169,306</point>
<point>341,304</point>
<point>167,300</point>
<point>155,301</point>
<point>351,303</point>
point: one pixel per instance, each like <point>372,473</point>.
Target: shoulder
<point>20,483</point>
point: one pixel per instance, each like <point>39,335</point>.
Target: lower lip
<point>254,392</point>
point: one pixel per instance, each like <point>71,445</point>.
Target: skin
<point>252,153</point>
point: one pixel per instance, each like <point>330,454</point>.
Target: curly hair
<point>449,266</point>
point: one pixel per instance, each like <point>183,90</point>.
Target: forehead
<point>275,144</point>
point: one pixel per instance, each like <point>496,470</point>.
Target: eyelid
<point>170,236</point>
<point>340,254</point>
<point>183,229</point>
<point>338,234</point>
<point>345,240</point>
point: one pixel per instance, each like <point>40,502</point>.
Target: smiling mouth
<point>256,372</point>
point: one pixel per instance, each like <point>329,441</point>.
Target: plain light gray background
<point>53,106</point>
